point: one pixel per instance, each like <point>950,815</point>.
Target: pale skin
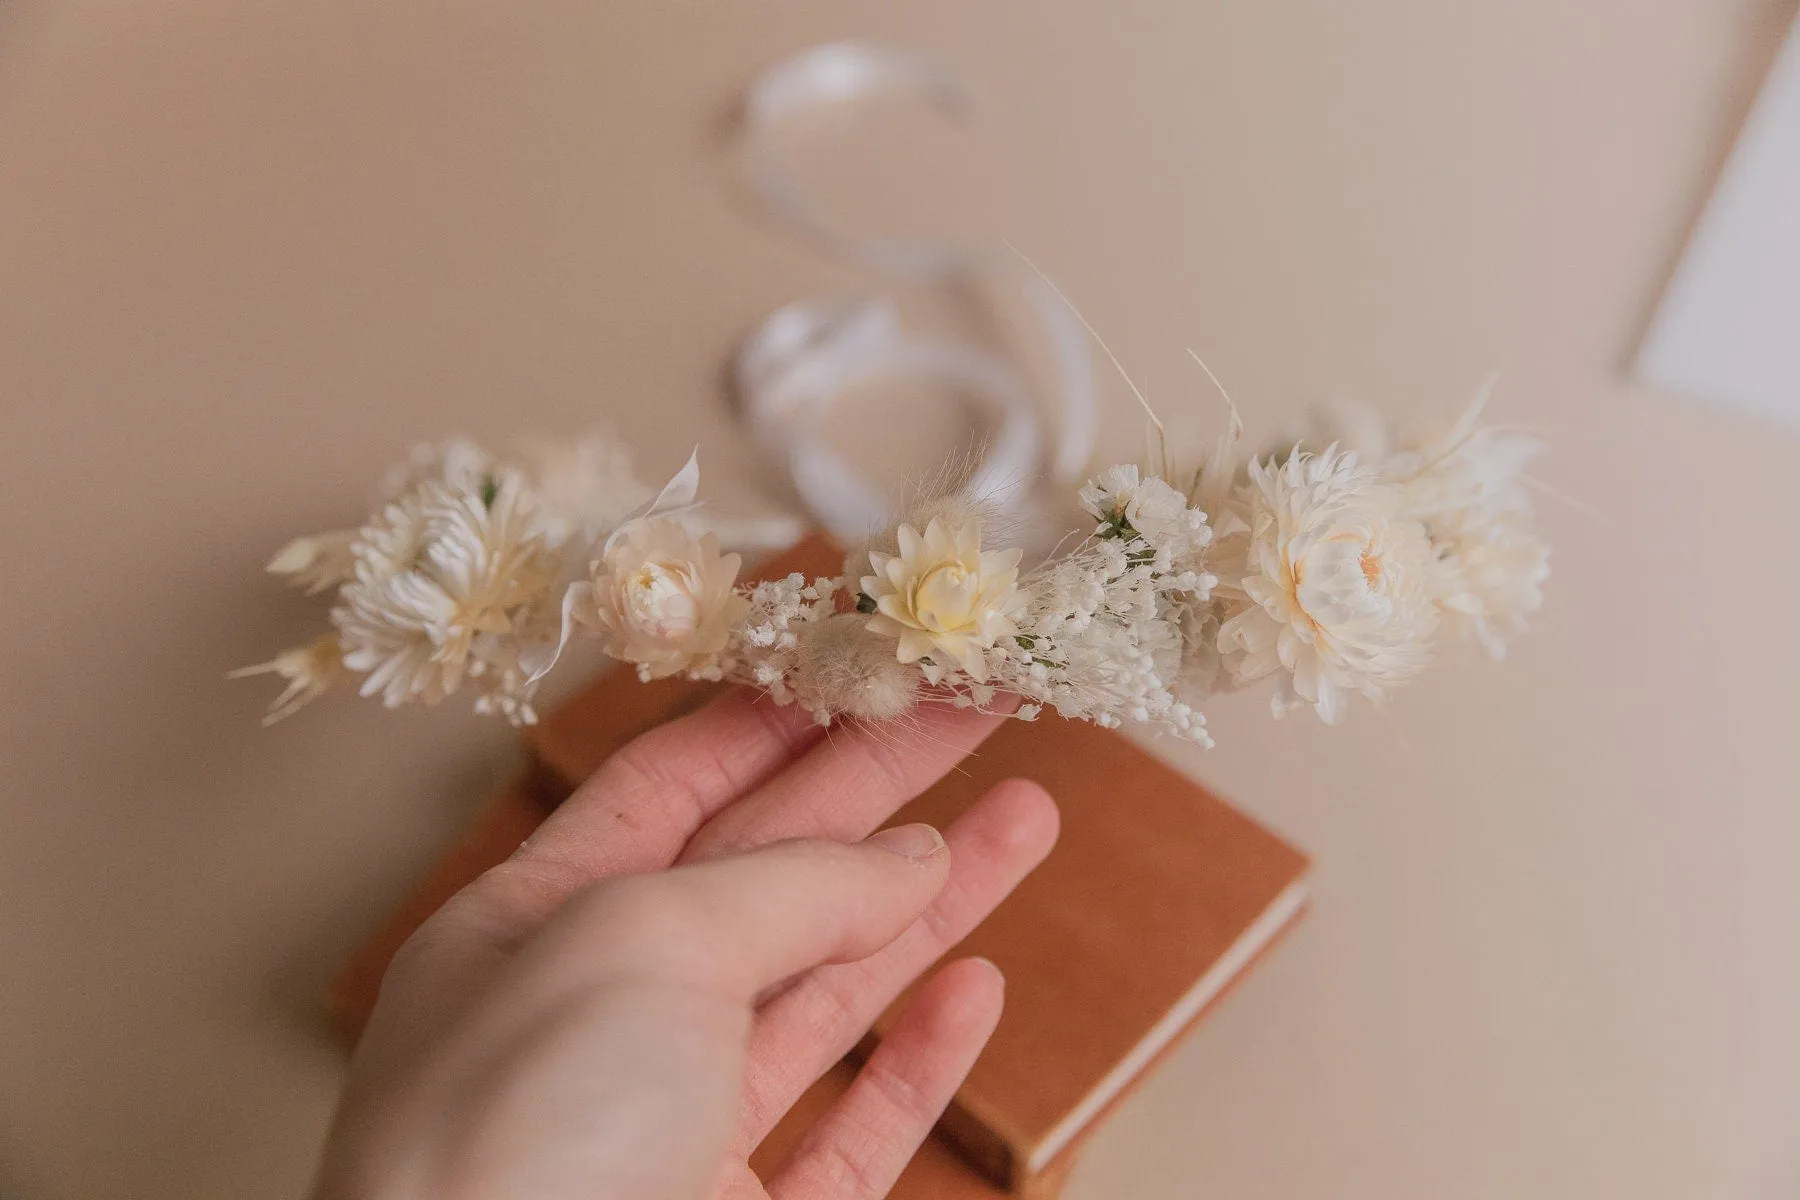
<point>628,1005</point>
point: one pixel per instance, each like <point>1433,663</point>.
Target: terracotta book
<point>1155,900</point>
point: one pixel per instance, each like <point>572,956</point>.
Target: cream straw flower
<point>308,670</point>
<point>660,597</point>
<point>943,596</point>
<point>1339,585</point>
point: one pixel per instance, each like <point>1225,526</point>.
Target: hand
<point>626,1007</point>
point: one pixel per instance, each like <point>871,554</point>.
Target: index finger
<point>846,786</point>
<point>636,812</point>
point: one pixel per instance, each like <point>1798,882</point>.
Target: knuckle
<point>945,919</point>
<point>848,1167</point>
<point>497,911</point>
<point>785,724</point>
<point>841,1006</point>
<point>904,1099</point>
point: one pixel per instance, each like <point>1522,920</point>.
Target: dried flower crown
<point>1334,571</point>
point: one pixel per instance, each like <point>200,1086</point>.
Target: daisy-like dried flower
<point>436,570</point>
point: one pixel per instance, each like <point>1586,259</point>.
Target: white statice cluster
<point>1331,572</point>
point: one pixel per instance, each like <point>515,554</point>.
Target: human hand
<point>626,1007</point>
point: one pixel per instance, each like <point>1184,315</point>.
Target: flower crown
<point>1336,571</point>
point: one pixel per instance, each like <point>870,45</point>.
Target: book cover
<point>1157,897</point>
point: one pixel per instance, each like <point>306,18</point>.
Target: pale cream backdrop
<point>249,250</point>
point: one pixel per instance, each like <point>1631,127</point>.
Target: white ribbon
<point>806,356</point>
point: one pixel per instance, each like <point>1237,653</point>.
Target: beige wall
<point>248,250</point>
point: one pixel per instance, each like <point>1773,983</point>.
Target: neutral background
<point>249,250</point>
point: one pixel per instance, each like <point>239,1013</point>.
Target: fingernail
<point>917,842</point>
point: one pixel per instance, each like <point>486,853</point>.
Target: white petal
<point>911,544</point>
<point>675,499</point>
<point>680,491</point>
<point>578,595</point>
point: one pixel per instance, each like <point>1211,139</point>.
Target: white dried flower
<point>1468,488</point>
<point>1339,585</point>
<point>1493,578</point>
<point>660,597</point>
<point>500,667</point>
<point>309,671</point>
<point>764,648</point>
<point>1124,503</point>
<point>456,463</point>
<point>1482,470</point>
<point>316,563</point>
<point>587,487</point>
<point>436,570</point>
<point>943,595</point>
<point>1202,673</point>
